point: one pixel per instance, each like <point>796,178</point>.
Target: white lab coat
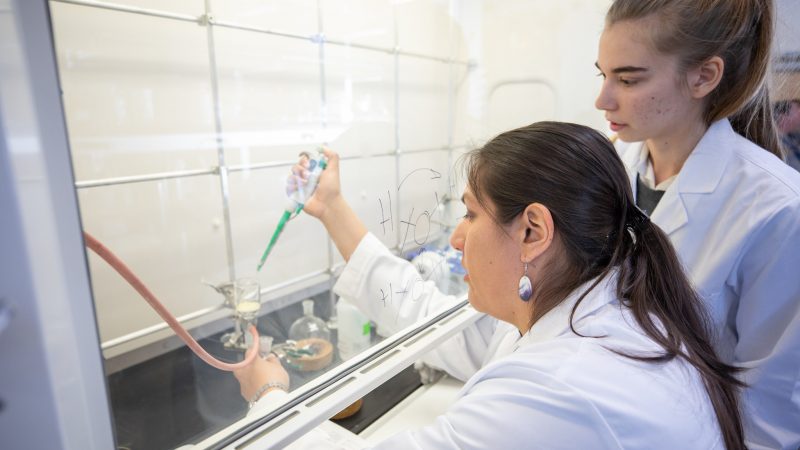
<point>548,389</point>
<point>733,215</point>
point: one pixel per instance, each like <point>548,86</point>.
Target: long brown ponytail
<point>648,272</point>
<point>576,173</point>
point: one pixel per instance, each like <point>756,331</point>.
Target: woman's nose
<point>605,99</point>
<point>457,238</point>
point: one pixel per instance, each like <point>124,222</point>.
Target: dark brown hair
<point>575,172</point>
<point>738,31</point>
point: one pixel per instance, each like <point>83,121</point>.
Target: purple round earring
<point>525,286</point>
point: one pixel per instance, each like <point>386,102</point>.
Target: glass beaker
<point>246,301</point>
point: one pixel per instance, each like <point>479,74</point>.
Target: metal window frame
<point>52,366</point>
<point>222,169</point>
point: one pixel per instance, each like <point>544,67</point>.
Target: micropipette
<point>299,193</point>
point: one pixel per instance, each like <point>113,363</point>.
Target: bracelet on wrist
<point>264,388</point>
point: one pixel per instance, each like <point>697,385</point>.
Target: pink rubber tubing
<point>126,273</point>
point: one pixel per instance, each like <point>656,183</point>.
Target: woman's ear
<point>538,231</point>
<point>706,77</point>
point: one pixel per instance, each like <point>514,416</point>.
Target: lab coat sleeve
<point>391,292</point>
<point>272,400</point>
<point>768,323</point>
<point>505,410</point>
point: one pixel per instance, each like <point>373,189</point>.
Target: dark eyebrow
<point>623,69</point>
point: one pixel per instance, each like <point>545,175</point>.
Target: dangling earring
<point>525,286</point>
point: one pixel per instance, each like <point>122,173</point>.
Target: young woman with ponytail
<point>685,89</point>
<point>593,336</point>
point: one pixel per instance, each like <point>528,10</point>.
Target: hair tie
<point>636,221</point>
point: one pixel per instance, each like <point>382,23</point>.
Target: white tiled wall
<point>269,95</point>
<point>289,16</point>
<point>140,101</point>
<point>366,22</point>
<point>360,101</point>
<point>787,31</point>
<point>136,92</point>
<point>169,233</point>
<point>423,104</point>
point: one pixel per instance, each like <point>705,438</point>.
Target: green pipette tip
<point>284,218</point>
<point>274,239</point>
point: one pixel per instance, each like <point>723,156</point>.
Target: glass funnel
<point>243,296</point>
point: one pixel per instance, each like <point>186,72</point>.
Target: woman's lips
<point>615,127</point>
<point>466,277</point>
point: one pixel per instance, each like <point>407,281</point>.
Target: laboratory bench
<point>175,399</point>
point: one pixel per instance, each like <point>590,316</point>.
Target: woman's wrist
<point>334,209</point>
<point>266,388</point>
<point>343,225</point>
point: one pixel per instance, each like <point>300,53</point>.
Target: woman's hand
<point>329,206</point>
<point>328,194</point>
<point>259,373</point>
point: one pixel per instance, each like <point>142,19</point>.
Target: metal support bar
<point>333,321</point>
<point>223,170</point>
<point>238,168</point>
<point>143,178</point>
<point>111,343</point>
<point>133,10</point>
<point>241,27</point>
<point>397,149</point>
<point>203,312</point>
<point>204,20</point>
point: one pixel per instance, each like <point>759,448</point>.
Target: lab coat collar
<point>703,170</point>
<point>700,174</point>
<point>557,321</point>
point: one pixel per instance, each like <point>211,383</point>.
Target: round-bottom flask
<point>309,326</point>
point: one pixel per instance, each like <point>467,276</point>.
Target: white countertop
<point>415,411</point>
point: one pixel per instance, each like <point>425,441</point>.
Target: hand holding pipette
<point>327,204</point>
<point>300,187</point>
<point>327,193</point>
<point>330,207</point>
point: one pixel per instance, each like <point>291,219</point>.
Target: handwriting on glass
<point>414,229</point>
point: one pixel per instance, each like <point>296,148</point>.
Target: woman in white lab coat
<point>593,336</point>
<point>685,91</point>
